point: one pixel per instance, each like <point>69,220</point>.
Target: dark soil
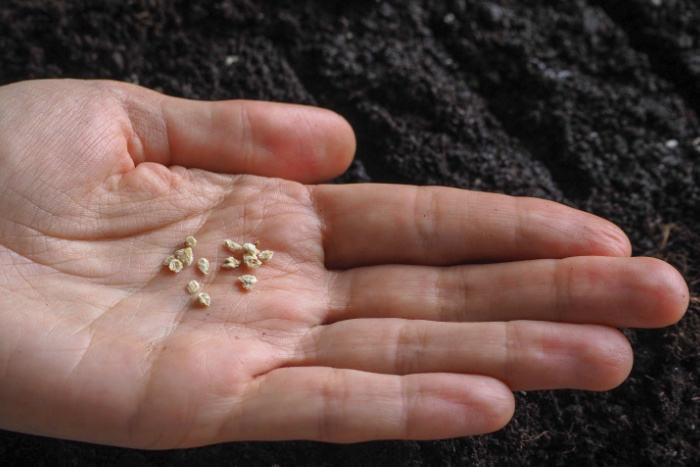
<point>578,101</point>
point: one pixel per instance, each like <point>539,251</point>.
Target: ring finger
<point>525,355</point>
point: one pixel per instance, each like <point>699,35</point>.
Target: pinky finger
<point>345,406</point>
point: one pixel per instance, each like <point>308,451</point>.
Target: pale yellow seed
<point>250,249</point>
<point>231,263</point>
<point>233,246</point>
<point>166,261</point>
<point>185,256</point>
<point>251,261</point>
<point>192,286</point>
<point>175,266</point>
<point>203,265</point>
<point>265,255</point>
<point>248,281</point>
<point>190,241</point>
<point>204,299</point>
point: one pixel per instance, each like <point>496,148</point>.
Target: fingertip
<point>651,292</point>
<point>499,404</point>
<point>668,291</point>
<point>603,238</point>
<point>338,149</point>
<point>563,231</point>
<point>304,143</point>
<point>611,361</point>
<point>345,144</point>
<point>473,405</point>
<point>613,241</point>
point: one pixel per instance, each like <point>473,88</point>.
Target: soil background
<point>593,103</point>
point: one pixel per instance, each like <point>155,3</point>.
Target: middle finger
<point>620,292</point>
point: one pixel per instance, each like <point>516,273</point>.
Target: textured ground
<point>590,102</point>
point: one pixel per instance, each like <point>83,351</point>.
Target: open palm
<point>386,312</point>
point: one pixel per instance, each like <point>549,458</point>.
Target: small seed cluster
<point>252,258</point>
<point>184,257</point>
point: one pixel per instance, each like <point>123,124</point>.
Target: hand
<point>386,312</point>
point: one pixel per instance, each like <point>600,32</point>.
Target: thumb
<point>295,142</point>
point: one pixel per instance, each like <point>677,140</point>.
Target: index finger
<point>377,224</point>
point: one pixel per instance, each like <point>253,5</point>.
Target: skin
<point>386,312</point>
